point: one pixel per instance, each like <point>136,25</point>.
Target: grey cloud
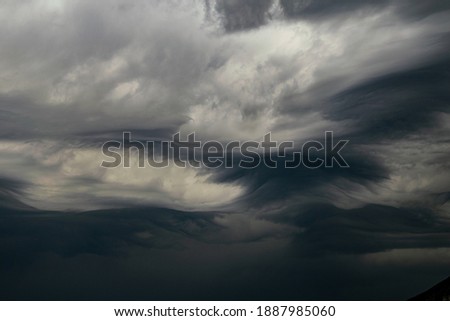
<point>82,68</point>
<point>97,232</point>
<point>10,190</point>
<point>266,185</point>
<point>419,10</point>
<point>74,76</point>
<point>243,15</point>
<point>372,228</point>
<point>395,104</point>
<point>163,254</point>
<point>319,8</point>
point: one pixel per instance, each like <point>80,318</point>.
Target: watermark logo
<point>214,154</point>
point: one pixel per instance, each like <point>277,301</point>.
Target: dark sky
<point>74,74</point>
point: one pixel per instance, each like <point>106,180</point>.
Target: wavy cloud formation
<point>74,74</point>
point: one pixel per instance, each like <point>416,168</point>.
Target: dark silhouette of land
<point>439,292</point>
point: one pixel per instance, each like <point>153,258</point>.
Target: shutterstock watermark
<point>214,154</point>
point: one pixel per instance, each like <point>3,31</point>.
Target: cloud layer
<point>74,74</point>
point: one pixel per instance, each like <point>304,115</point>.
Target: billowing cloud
<point>75,74</point>
<point>241,15</point>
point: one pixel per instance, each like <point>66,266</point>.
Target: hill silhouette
<point>439,292</point>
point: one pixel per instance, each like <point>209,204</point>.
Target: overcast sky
<point>74,74</point>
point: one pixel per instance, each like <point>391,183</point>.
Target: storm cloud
<point>75,74</point>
